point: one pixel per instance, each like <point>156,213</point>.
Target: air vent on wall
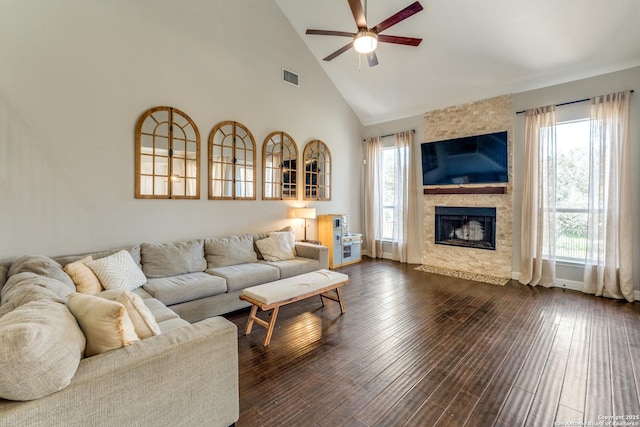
<point>290,77</point>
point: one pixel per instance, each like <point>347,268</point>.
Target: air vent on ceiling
<point>290,77</point>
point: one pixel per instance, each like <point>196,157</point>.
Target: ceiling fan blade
<point>372,58</point>
<point>330,33</point>
<point>408,11</point>
<point>409,41</point>
<point>338,52</point>
<point>358,13</point>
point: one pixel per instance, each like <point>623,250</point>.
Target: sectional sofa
<point>186,373</point>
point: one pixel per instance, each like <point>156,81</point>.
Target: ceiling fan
<point>366,39</point>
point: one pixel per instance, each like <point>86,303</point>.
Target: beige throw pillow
<point>85,279</point>
<point>105,324</point>
<point>143,321</point>
<point>118,271</point>
<point>279,246</point>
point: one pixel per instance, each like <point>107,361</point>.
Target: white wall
<point>76,75</point>
<point>580,89</point>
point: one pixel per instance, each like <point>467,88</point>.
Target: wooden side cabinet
<point>344,248</point>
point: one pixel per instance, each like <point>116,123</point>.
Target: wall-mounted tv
<point>479,159</point>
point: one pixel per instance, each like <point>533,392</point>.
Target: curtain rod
<point>567,103</point>
<point>390,134</point>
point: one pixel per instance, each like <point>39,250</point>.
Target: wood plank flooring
<point>419,349</point>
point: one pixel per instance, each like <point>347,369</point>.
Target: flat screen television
<point>479,159</point>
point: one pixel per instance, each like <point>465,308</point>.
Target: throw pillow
<point>230,251</point>
<point>278,246</point>
<point>106,324</point>
<point>42,265</point>
<point>23,288</point>
<point>85,279</point>
<point>143,321</point>
<point>264,235</point>
<point>41,349</point>
<point>3,275</point>
<point>118,271</point>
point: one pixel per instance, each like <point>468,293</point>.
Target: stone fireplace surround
<point>486,116</point>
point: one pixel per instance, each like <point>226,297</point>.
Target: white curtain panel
<point>537,247</point>
<point>373,199</point>
<point>405,242</point>
<point>608,270</point>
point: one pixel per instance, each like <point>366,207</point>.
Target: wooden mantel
<point>466,190</point>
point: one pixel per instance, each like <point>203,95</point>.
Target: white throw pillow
<point>279,246</point>
<point>106,324</point>
<point>118,271</point>
<point>143,321</point>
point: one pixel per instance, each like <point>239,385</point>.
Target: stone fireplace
<point>493,266</point>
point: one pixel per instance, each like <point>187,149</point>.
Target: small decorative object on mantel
<point>280,167</point>
<point>232,159</point>
<point>317,171</point>
<point>167,155</point>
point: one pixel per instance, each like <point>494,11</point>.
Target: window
<point>167,155</point>
<point>388,191</point>
<point>232,158</point>
<point>572,189</point>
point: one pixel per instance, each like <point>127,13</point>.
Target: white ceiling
<point>471,49</point>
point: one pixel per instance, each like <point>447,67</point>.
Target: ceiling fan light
<point>365,41</point>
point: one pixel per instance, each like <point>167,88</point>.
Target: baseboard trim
<point>570,284</point>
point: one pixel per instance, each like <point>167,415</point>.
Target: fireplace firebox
<point>466,226</point>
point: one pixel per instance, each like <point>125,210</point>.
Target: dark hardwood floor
<point>420,349</point>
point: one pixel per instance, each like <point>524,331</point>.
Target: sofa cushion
<point>171,259</point>
<point>41,349</point>
<point>42,265</point>
<point>106,324</point>
<point>294,267</point>
<point>159,311</point>
<point>143,321</point>
<point>133,251</point>
<point>118,271</point>
<point>278,246</point>
<point>243,275</point>
<point>229,251</point>
<point>185,287</point>
<point>23,288</point>
<point>84,278</point>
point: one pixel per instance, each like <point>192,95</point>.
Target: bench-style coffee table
<point>273,295</point>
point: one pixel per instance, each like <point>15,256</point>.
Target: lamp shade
<point>306,213</point>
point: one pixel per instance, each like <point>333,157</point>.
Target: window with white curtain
<point>572,190</point>
<point>387,207</point>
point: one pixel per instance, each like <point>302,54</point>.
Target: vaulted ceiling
<point>471,49</point>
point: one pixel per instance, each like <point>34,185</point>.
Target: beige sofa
<point>187,375</point>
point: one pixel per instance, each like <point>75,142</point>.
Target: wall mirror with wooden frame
<point>232,159</point>
<point>167,155</point>
<point>317,171</point>
<point>280,167</point>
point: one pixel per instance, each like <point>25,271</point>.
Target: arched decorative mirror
<point>167,155</point>
<point>280,167</point>
<point>232,159</point>
<point>317,171</point>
